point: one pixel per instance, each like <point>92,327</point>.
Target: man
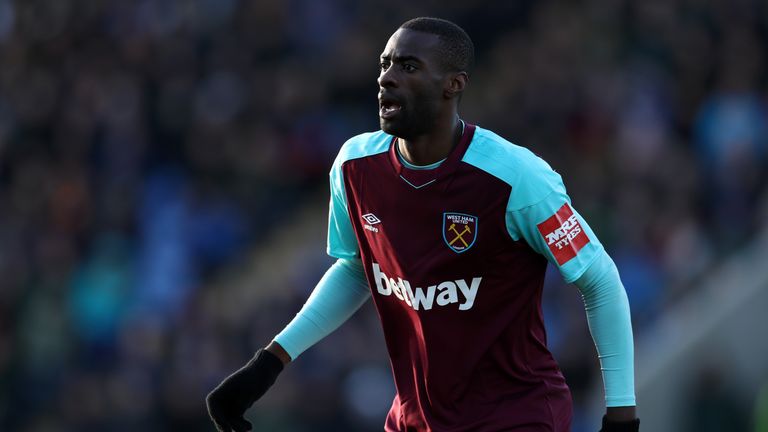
<point>451,227</point>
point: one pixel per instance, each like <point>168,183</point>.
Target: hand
<point>620,426</point>
<point>229,400</point>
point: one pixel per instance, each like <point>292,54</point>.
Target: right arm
<point>338,295</point>
<point>340,292</point>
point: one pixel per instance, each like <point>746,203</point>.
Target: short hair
<point>457,51</point>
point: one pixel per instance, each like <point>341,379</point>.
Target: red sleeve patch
<point>563,234</point>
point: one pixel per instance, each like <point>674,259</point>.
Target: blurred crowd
<point>148,146</point>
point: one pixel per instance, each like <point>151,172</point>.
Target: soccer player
<point>449,228</point>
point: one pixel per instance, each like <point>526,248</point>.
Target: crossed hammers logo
<point>459,235</point>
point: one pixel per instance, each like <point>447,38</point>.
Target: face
<point>411,84</point>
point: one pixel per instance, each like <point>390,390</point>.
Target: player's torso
<point>453,290</point>
<point>439,236</point>
<point>451,227</point>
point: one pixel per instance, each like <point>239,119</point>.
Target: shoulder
<point>501,158</point>
<point>530,176</point>
<point>363,145</point>
<point>359,146</point>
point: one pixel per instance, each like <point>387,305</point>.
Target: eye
<point>409,67</point>
<point>383,66</point>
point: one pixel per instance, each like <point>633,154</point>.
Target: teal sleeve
<point>553,228</point>
<point>340,292</point>
<point>608,316</point>
<point>342,242</point>
<point>538,209</point>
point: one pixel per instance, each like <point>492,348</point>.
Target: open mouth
<point>388,108</point>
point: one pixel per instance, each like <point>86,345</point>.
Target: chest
<point>447,222</point>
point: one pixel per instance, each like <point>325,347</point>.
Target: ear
<point>455,84</point>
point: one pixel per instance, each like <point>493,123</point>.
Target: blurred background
<point>163,198</point>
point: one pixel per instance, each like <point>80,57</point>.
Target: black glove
<point>625,426</point>
<point>229,400</point>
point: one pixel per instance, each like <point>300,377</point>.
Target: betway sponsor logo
<point>444,293</point>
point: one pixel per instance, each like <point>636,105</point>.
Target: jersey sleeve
<point>610,323</point>
<point>539,211</point>
<point>340,292</point>
<point>342,242</point>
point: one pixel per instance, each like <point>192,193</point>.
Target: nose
<point>387,78</point>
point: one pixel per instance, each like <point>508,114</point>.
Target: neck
<point>433,146</point>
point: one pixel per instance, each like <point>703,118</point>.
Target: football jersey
<point>455,257</point>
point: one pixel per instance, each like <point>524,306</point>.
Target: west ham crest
<point>459,231</point>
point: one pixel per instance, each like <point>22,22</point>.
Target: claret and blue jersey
<point>455,258</point>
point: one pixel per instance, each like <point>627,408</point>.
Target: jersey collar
<point>423,178</point>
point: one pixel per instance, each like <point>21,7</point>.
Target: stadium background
<point>163,197</point>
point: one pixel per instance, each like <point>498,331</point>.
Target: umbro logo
<point>371,220</point>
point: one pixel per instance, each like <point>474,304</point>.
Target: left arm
<point>608,317</point>
<point>539,211</point>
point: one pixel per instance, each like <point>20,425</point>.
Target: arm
<point>541,214</point>
<point>608,317</point>
<point>340,292</point>
<point>338,295</point>
<point>278,351</point>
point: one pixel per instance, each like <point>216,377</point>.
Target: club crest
<point>459,231</point>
